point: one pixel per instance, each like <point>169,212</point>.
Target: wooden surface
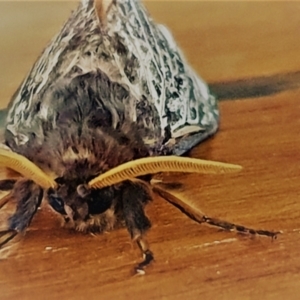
<point>225,42</point>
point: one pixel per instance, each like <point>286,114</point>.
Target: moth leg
<point>147,255</point>
<point>239,228</point>
<point>4,200</point>
<point>29,196</point>
<point>6,236</point>
<point>135,195</point>
<point>7,184</point>
<point>17,210</point>
<point>195,214</point>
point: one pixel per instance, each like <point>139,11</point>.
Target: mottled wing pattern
<point>131,70</point>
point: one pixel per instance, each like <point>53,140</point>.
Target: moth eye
<point>60,180</point>
<point>57,204</point>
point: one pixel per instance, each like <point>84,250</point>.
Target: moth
<point>110,102</point>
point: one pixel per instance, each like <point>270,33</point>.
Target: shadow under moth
<point>109,103</point>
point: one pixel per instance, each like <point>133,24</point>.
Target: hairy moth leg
<point>195,214</point>
<point>7,185</point>
<point>7,236</point>
<point>16,212</point>
<point>135,195</point>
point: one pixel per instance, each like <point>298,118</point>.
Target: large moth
<point>110,102</point>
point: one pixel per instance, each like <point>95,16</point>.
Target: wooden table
<point>247,51</point>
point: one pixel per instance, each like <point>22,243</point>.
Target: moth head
<point>79,204</point>
<point>70,199</point>
<point>75,199</point>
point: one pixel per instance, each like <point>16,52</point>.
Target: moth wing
<point>132,71</point>
<point>190,111</point>
<point>102,8</point>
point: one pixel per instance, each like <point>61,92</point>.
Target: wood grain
<point>224,41</point>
